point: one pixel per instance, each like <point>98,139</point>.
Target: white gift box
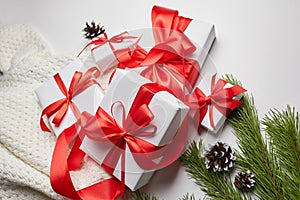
<point>88,100</point>
<point>168,111</point>
<point>104,54</point>
<point>218,118</point>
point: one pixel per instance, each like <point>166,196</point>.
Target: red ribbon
<point>62,164</point>
<point>79,83</point>
<point>221,98</point>
<point>100,41</point>
<point>168,55</point>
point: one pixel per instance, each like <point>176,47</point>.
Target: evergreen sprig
<point>273,158</point>
<point>143,196</point>
<point>254,149</point>
<point>188,197</point>
<point>283,130</point>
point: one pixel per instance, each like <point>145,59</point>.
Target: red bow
<point>78,84</point>
<point>221,98</point>
<point>63,162</point>
<point>168,55</point>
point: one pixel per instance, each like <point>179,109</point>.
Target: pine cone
<point>93,30</point>
<point>244,181</point>
<point>219,157</point>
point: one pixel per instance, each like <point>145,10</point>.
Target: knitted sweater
<point>27,61</point>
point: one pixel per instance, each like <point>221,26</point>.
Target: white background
<point>257,41</point>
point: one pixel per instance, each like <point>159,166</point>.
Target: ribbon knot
<point>207,99</point>
<point>79,83</point>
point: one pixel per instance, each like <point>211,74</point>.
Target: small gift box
<point>71,91</point>
<point>104,47</point>
<point>130,100</point>
<point>215,100</point>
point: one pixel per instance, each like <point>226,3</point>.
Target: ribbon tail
<point>211,117</point>
<point>106,190</point>
<point>123,174</point>
<point>43,125</point>
<point>76,155</point>
<point>59,171</point>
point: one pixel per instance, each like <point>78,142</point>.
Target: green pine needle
<point>188,197</point>
<point>216,185</point>
<point>274,160</point>
<point>143,196</point>
<point>283,130</point>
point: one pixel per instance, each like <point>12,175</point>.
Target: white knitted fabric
<point>26,62</point>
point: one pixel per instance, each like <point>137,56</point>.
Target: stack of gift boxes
<point>141,122</point>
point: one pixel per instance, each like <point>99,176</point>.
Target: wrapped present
<point>212,101</point>
<point>104,47</point>
<point>71,91</point>
<point>178,44</point>
<point>135,118</point>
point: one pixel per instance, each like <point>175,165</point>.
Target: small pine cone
<point>92,30</point>
<point>219,157</point>
<point>244,181</point>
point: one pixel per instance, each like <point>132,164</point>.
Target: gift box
<point>104,47</point>
<point>216,99</point>
<point>87,100</point>
<point>168,113</point>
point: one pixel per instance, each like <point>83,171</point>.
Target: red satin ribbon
<point>100,41</point>
<point>221,98</point>
<point>79,83</point>
<point>168,55</point>
<point>62,164</point>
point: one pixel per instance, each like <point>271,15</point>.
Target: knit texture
<point>27,61</point>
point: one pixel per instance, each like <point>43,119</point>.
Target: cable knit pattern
<point>26,62</point>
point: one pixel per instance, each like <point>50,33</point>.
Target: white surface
<point>257,41</point>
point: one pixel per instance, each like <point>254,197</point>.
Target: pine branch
<point>216,185</point>
<point>188,197</point>
<point>254,149</point>
<point>143,196</point>
<point>283,130</point>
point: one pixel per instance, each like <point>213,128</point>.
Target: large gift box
<point>56,98</point>
<point>168,112</point>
